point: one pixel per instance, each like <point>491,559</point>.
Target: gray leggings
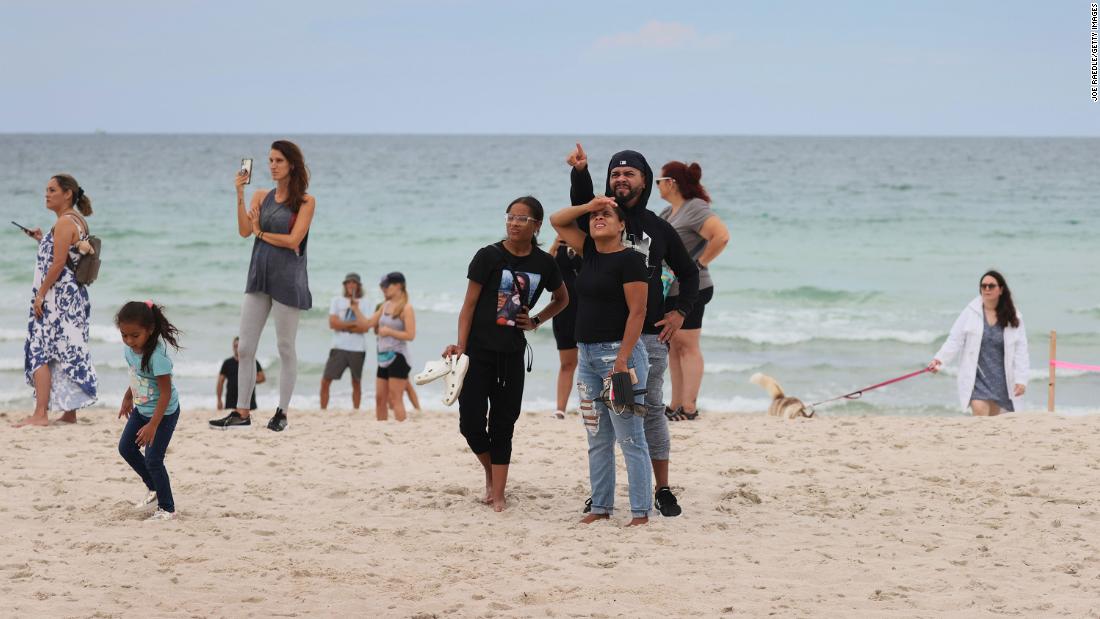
<point>254,312</point>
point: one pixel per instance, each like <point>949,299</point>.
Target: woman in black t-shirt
<point>612,288</point>
<point>565,323</point>
<point>505,281</point>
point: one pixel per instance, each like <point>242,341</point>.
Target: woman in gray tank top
<point>395,322</point>
<point>705,237</point>
<point>277,282</point>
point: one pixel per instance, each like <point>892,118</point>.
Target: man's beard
<point>623,201</point>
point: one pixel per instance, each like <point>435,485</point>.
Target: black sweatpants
<point>489,404</point>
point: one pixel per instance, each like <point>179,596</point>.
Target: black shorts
<point>340,360</point>
<point>694,320</point>
<point>398,369</point>
<point>565,328</point>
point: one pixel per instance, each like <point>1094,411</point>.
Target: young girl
<point>151,404</point>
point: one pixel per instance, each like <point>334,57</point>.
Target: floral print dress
<point>60,338</point>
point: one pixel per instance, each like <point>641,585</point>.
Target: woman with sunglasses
<point>991,337</point>
<point>505,280</point>
<point>612,289</point>
<point>705,237</point>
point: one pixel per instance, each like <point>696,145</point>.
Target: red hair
<point>687,179</point>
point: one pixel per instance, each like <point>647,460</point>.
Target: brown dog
<point>782,405</point>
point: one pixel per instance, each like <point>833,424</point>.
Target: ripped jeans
<point>595,361</point>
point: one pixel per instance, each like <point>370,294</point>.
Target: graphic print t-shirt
<point>508,284</point>
<point>342,340</point>
<point>143,384</point>
<point>601,302</point>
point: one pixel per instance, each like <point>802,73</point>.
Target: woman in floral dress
<point>56,359</point>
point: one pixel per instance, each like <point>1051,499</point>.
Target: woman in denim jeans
<point>611,304</point>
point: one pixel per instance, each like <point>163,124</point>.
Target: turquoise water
<point>849,259</point>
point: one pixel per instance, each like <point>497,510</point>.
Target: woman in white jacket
<point>991,337</point>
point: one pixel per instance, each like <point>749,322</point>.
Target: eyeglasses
<point>661,179</point>
<point>989,286</point>
<point>521,219</point>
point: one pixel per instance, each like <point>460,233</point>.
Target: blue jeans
<point>150,466</point>
<point>656,424</point>
<point>594,362</point>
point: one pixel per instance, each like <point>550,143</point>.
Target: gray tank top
<point>277,271</point>
<point>388,345</point>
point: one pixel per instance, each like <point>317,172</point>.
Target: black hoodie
<point>665,245</point>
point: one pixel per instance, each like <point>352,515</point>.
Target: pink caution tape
<point>1075,366</point>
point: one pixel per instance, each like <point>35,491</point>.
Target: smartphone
<point>21,227</point>
<point>246,169</point>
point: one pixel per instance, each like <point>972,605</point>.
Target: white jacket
<point>966,337</point>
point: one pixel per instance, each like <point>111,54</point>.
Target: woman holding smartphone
<point>57,361</point>
<point>612,289</point>
<point>277,282</point>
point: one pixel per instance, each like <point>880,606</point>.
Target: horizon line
<point>102,132</point>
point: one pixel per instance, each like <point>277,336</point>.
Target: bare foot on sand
<point>590,518</point>
<point>638,521</point>
<point>68,417</point>
<point>488,498</point>
<point>32,420</point>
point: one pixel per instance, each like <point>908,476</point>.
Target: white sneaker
<point>149,499</point>
<point>160,514</point>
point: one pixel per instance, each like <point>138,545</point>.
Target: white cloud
<point>660,35</point>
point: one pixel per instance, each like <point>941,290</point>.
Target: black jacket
<point>665,244</point>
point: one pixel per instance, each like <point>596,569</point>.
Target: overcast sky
<point>562,67</point>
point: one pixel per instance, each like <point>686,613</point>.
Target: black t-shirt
<point>568,263</point>
<point>508,283</point>
<point>229,371</point>
<point>601,302</point>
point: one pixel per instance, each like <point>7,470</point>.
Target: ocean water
<point>850,257</point>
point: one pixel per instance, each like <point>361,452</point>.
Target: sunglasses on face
<point>661,179</point>
<point>988,286</point>
<point>520,219</point>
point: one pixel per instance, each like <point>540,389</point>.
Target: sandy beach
<point>345,516</point>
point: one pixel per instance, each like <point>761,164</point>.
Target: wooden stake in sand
<point>1053,356</point>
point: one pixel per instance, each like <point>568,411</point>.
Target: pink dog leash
<point>1075,366</point>
<point>855,395</point>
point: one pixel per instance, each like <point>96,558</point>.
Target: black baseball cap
<point>392,278</point>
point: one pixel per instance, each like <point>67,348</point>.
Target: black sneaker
<point>231,421</point>
<point>666,502</point>
<point>587,505</point>
<point>278,421</point>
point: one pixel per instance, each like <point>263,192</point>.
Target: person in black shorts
<point>492,337</point>
<point>395,323</point>
<point>227,379</point>
<point>569,263</point>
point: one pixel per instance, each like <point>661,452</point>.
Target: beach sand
<point>345,516</point>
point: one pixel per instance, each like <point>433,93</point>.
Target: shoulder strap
<point>82,224</point>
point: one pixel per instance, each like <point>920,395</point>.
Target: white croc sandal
<point>459,365</point>
<point>433,370</point>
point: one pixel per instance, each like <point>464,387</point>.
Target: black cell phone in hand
<point>246,169</point>
<point>27,230</point>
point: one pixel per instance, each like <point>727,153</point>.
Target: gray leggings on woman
<point>254,312</point>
